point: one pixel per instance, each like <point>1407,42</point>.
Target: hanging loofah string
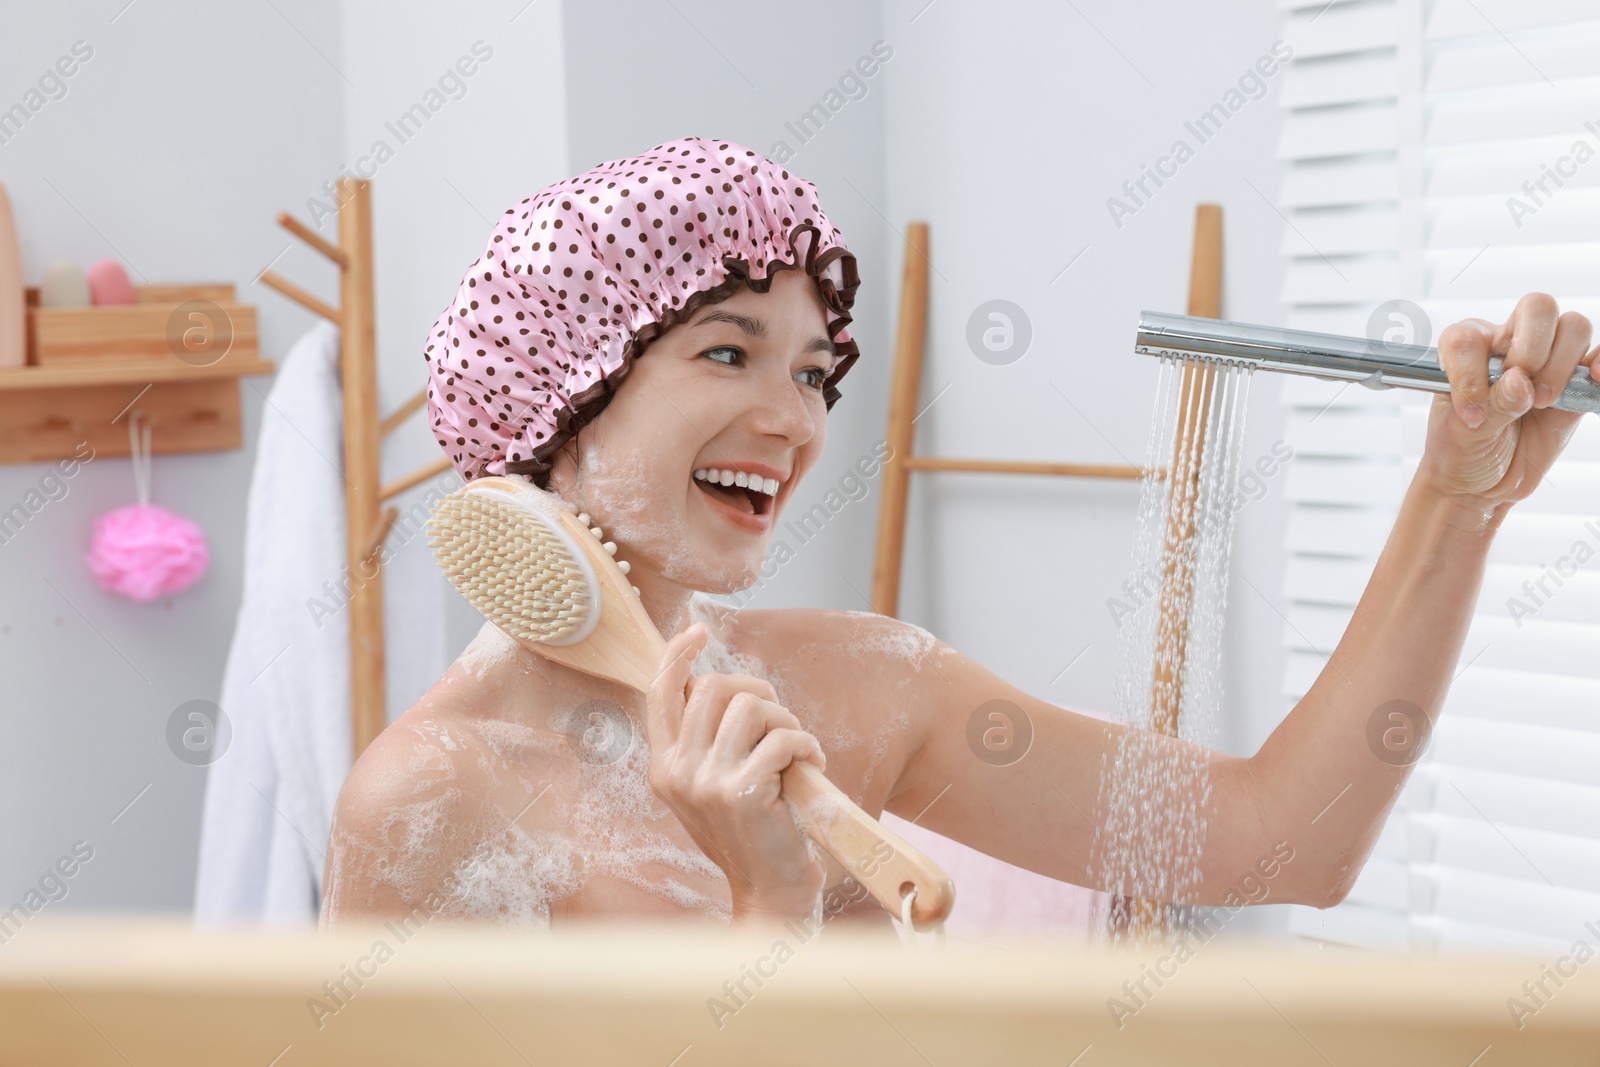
<point>139,453</point>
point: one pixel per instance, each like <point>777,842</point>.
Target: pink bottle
<point>109,284</point>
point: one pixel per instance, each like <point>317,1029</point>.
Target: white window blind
<point>1407,127</point>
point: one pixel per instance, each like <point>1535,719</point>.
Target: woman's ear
<point>564,467</point>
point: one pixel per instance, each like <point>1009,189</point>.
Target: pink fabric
<point>997,899</point>
<point>578,278</point>
<point>143,552</point>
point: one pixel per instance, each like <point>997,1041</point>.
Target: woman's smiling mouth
<point>750,504</point>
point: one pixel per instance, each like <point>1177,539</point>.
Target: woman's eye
<point>817,383</point>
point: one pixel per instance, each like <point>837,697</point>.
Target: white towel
<point>286,688</point>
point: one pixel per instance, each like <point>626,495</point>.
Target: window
<point>1448,154</point>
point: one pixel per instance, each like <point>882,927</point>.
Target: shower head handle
<point>1375,364</point>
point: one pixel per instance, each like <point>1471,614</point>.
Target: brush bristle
<point>510,565</point>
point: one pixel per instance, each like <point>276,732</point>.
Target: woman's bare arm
<point>1327,777</point>
<point>1316,783</point>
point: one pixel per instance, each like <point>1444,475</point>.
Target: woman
<point>519,790</point>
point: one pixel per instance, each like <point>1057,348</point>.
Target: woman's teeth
<point>769,486</point>
<point>757,495</point>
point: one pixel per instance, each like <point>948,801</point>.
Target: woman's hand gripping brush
<point>718,747</point>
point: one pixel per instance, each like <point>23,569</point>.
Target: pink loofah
<point>144,551</point>
<point>141,550</point>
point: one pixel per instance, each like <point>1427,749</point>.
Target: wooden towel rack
<point>365,492</point>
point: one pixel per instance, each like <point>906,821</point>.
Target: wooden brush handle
<point>883,861</point>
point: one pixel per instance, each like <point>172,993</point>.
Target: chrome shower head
<point>1374,364</point>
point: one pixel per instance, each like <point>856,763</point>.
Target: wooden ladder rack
<point>904,392</point>
<point>365,493</point>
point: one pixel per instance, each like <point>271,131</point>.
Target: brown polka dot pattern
<point>580,277</point>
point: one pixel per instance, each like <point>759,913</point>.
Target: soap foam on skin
<point>609,831</point>
<point>649,527</point>
<point>610,819</point>
<point>431,765</point>
<point>516,874</point>
<point>488,650</point>
<point>510,741</point>
<point>517,883</point>
<point>403,846</point>
<point>612,813</point>
<point>614,819</point>
<point>907,641</point>
<point>613,816</point>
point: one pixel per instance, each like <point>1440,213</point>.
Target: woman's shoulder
<point>866,630</point>
<point>420,763</point>
<point>865,684</point>
<point>437,761</point>
<point>865,643</point>
<point>452,748</point>
<point>408,810</point>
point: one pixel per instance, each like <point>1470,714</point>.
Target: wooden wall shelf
<point>100,363</point>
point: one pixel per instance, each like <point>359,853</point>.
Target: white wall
<point>495,135</point>
<point>173,149</point>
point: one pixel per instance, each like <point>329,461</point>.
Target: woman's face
<point>736,387</point>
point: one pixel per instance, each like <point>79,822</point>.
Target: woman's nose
<point>783,411</point>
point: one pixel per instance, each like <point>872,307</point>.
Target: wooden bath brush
<point>546,577</point>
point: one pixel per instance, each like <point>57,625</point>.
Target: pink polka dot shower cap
<point>580,277</point>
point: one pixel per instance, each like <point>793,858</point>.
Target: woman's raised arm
<point>1324,781</point>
